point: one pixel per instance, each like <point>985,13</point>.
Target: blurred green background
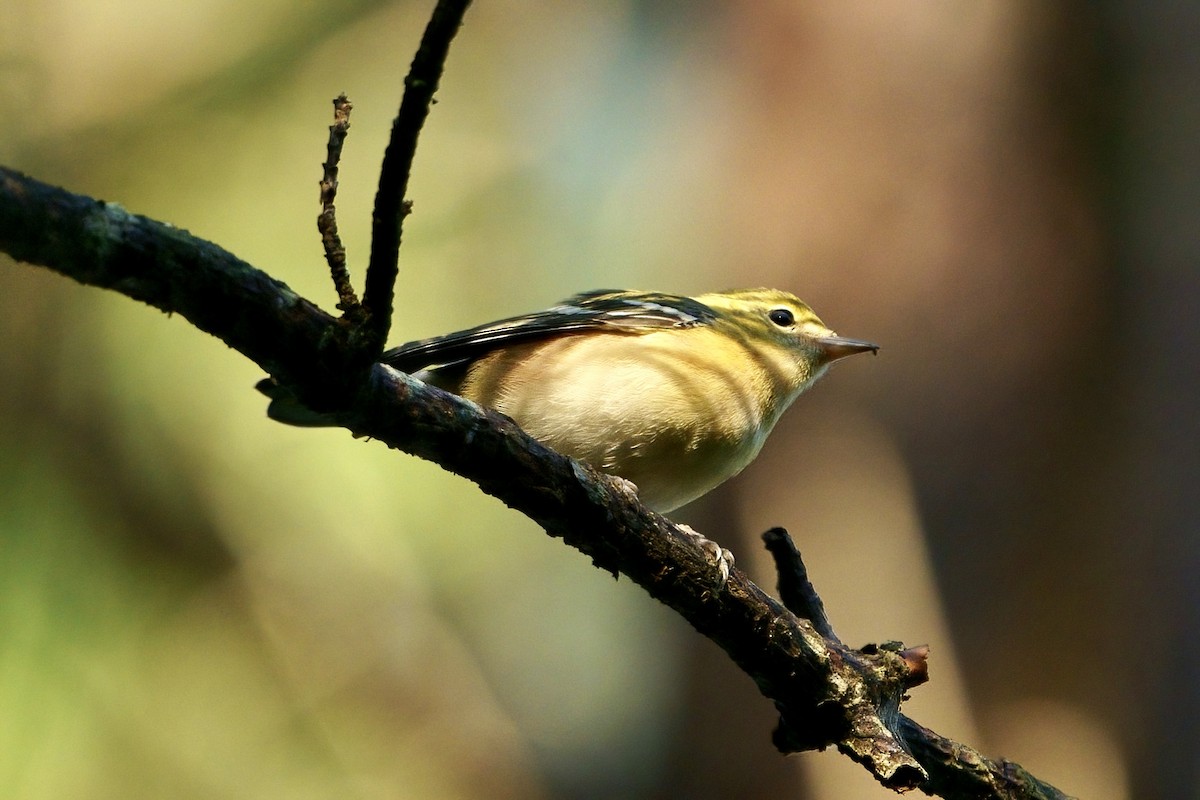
<point>196,602</point>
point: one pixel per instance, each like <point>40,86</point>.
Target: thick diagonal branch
<point>807,676</point>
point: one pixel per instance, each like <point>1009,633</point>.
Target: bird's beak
<point>835,347</point>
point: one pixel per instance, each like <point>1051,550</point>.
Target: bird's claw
<point>721,558</point>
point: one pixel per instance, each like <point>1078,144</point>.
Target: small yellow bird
<point>676,394</point>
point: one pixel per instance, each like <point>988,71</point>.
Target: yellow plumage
<point>672,393</point>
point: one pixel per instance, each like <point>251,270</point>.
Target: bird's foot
<point>721,558</point>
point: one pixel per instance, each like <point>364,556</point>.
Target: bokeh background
<point>198,603</point>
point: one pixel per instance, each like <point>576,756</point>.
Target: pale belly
<point>675,429</point>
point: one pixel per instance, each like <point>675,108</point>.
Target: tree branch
<point>956,770</point>
<point>335,252</point>
<point>391,207</point>
<point>102,244</point>
<point>795,590</point>
<point>827,694</point>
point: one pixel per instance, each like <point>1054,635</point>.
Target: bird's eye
<point>782,317</point>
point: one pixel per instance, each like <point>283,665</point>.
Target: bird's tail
<point>285,407</point>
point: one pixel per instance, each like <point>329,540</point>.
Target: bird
<point>675,394</point>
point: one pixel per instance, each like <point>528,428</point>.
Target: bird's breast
<point>675,421</point>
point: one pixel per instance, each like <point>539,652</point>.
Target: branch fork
<point>826,693</point>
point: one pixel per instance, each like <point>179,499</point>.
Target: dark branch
<point>872,736</point>
<point>827,694</point>
<point>795,590</point>
<point>102,244</point>
<point>956,770</point>
<point>335,253</point>
<point>391,207</point>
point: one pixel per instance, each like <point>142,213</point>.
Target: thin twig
<point>795,589</point>
<point>391,207</point>
<point>335,253</point>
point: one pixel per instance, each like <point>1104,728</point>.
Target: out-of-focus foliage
<point>195,602</point>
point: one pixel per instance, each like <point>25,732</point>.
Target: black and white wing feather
<point>600,310</point>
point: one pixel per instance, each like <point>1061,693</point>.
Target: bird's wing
<point>601,310</point>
